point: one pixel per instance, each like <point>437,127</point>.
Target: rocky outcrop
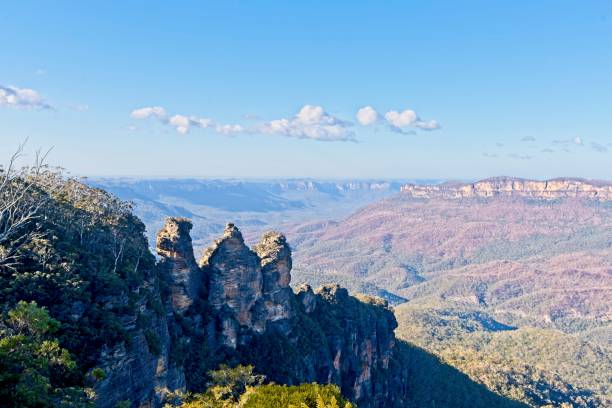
<point>236,306</point>
<point>560,188</point>
<point>175,248</point>
<point>247,312</point>
<point>234,283</point>
<point>361,346</point>
<point>136,373</point>
<point>307,298</point>
<point>275,260</point>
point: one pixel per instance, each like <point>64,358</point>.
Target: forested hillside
<point>496,286</point>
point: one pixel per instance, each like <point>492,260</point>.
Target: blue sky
<point>452,89</point>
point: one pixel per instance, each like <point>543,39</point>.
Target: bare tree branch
<point>21,201</point>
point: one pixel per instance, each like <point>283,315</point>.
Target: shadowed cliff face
<point>247,312</point>
<point>361,347</point>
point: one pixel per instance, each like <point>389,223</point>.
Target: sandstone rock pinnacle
<point>235,280</point>
<point>175,247</point>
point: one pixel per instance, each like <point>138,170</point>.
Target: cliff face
<point>142,370</point>
<point>135,372</point>
<point>244,310</point>
<point>361,346</point>
<point>512,187</point>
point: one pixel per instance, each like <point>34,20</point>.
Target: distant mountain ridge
<point>240,195</point>
<point>556,188</point>
<point>258,204</point>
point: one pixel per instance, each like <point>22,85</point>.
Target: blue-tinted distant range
<point>255,205</point>
<point>364,90</point>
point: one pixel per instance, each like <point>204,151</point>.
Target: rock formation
<point>361,347</point>
<point>237,305</point>
<point>559,188</point>
<point>234,282</point>
<point>176,251</point>
<point>275,260</point>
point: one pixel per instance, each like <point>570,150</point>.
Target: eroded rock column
<point>275,260</point>
<point>235,281</point>
<point>175,247</point>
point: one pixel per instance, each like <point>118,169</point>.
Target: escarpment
<point>553,189</point>
<point>243,310</point>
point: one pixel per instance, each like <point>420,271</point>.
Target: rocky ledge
<point>553,189</point>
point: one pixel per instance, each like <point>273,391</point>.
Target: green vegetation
<point>34,370</point>
<point>537,366</point>
<point>71,259</point>
<point>301,396</point>
<point>88,253</point>
<point>241,387</point>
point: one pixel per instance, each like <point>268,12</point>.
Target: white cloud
<point>21,98</point>
<point>143,113</point>
<point>401,119</point>
<point>367,116</point>
<point>311,122</point>
<point>182,123</point>
<point>229,130</point>
<point>427,125</point>
<point>528,139</point>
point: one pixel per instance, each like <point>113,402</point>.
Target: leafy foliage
<point>298,396</point>
<point>83,257</point>
<point>34,370</point>
<point>241,387</point>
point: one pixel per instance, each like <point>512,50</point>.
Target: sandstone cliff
<point>243,310</point>
<point>513,187</point>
